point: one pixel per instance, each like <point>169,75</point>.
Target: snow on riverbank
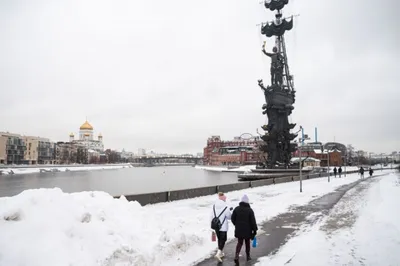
<point>248,168</point>
<point>49,168</point>
<point>50,227</point>
<point>364,230</point>
<point>244,168</point>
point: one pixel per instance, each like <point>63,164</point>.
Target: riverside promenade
<point>274,233</point>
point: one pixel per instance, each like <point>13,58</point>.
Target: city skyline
<point>167,75</point>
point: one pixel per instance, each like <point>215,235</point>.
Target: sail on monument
<point>279,94</point>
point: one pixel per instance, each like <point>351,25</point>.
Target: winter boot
<point>218,255</point>
<point>236,260</point>
<point>248,258</point>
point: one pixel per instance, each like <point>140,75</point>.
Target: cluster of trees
<point>354,157</point>
<point>113,156</point>
<point>67,155</point>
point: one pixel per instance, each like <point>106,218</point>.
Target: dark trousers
<point>240,244</point>
<point>221,235</point>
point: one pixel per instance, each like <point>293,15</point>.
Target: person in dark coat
<point>334,171</point>
<point>371,172</point>
<point>340,171</point>
<point>245,226</point>
<point>362,172</point>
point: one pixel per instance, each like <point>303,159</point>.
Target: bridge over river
<point>168,159</point>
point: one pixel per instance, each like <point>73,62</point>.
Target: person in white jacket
<point>221,209</point>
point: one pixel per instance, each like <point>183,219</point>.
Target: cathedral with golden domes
<point>86,138</point>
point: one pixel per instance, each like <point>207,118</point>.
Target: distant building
<point>86,138</point>
<point>12,148</point>
<point>141,152</point>
<point>235,152</point>
<point>126,156</point>
<point>307,161</point>
<point>335,157</point>
<point>39,150</point>
<point>318,150</point>
<point>71,153</point>
<point>336,145</point>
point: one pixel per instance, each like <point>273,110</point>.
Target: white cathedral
<point>86,138</point>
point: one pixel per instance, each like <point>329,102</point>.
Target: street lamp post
<point>300,166</point>
<point>329,173</point>
<point>345,162</point>
<point>302,139</point>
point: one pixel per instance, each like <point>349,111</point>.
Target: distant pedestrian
<point>219,223</point>
<point>340,171</point>
<point>245,226</point>
<point>362,172</point>
<point>371,172</point>
<point>334,171</point>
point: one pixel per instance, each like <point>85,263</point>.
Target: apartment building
<point>39,150</point>
<point>12,148</point>
<point>71,152</point>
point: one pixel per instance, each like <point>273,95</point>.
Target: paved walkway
<point>275,233</point>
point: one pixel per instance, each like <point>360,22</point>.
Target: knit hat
<point>245,199</point>
<point>221,196</point>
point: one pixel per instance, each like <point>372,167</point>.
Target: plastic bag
<point>254,244</point>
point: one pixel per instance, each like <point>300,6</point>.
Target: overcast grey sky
<point>165,75</point>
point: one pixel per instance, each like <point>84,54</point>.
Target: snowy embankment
<point>52,168</point>
<point>245,168</point>
<point>50,227</point>
<point>363,229</point>
<point>248,168</point>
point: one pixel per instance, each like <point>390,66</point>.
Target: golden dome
<point>71,135</point>
<point>100,136</point>
<point>86,134</point>
<point>86,126</point>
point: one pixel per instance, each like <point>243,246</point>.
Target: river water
<point>117,182</point>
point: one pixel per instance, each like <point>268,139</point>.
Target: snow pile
<point>32,170</point>
<point>50,227</point>
<point>363,229</point>
<point>244,168</point>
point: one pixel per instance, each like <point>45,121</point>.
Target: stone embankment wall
<point>166,196</point>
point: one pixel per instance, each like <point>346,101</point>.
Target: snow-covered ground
<point>31,170</point>
<point>362,229</point>
<point>47,227</point>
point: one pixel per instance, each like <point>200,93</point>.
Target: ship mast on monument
<point>279,95</point>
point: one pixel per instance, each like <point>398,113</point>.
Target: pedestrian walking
<point>371,172</point>
<point>362,172</point>
<point>340,172</point>
<point>220,216</point>
<point>334,171</point>
<point>245,226</point>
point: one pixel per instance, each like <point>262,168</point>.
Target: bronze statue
<point>279,96</point>
<point>276,65</point>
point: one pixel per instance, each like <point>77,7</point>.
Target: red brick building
<point>235,152</point>
<point>335,157</point>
